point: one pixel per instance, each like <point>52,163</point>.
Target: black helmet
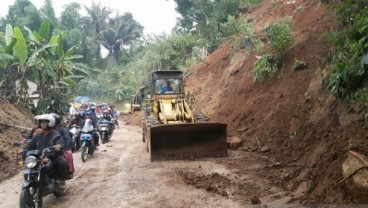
<point>82,114</point>
<point>57,118</point>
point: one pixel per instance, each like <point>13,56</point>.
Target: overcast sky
<point>156,16</point>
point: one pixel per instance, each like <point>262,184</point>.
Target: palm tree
<point>99,16</point>
<point>122,31</point>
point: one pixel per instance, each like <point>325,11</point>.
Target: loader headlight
<point>30,161</point>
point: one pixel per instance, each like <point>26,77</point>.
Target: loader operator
<point>166,87</point>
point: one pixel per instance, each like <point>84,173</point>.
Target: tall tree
<point>24,13</point>
<point>70,17</point>
<point>204,17</point>
<point>99,16</point>
<point>47,13</point>
<point>121,32</point>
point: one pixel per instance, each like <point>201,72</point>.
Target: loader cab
<point>168,86</point>
<point>159,80</point>
<point>168,82</point>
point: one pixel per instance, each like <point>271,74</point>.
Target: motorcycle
<point>37,180</point>
<point>88,143</point>
<point>104,130</point>
<point>76,142</point>
<point>99,115</point>
<point>113,123</point>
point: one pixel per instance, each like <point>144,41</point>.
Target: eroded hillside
<point>11,140</point>
<point>307,129</point>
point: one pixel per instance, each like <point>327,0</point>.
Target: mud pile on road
<point>11,140</point>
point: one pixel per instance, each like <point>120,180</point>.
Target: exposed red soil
<point>11,137</point>
<point>306,128</point>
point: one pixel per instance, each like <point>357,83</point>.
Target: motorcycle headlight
<point>30,161</point>
<point>73,131</point>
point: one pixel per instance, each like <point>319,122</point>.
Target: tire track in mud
<point>120,174</point>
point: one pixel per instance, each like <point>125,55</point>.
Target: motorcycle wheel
<point>84,153</point>
<point>104,139</point>
<point>39,196</point>
<point>143,136</point>
<point>59,192</point>
<point>26,198</point>
<point>92,147</point>
<point>77,144</point>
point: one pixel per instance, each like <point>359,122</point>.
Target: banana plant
<point>57,70</point>
<point>41,58</point>
<point>8,71</point>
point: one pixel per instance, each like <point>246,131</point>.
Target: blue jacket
<point>166,88</point>
<point>66,137</point>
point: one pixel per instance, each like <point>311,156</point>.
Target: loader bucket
<point>136,107</point>
<point>188,141</point>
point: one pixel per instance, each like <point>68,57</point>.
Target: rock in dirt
<point>358,182</point>
<point>235,143</point>
<point>255,200</point>
<point>265,149</point>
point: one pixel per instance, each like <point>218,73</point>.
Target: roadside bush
<point>361,95</point>
<point>348,73</point>
<point>247,5</point>
<point>240,32</point>
<point>263,68</point>
<point>347,76</point>
<point>280,36</point>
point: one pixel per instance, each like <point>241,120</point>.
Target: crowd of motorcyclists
<point>50,132</point>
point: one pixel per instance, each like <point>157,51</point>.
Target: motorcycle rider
<point>48,138</point>
<point>106,116</point>
<point>67,147</point>
<point>95,136</point>
<point>77,120</point>
<point>114,114</point>
<point>35,130</point>
<point>93,110</point>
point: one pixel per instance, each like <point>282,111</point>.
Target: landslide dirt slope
<point>307,129</point>
<point>9,136</point>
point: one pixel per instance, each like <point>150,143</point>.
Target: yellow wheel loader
<point>135,103</point>
<point>171,130</point>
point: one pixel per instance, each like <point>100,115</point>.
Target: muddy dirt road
<point>120,174</point>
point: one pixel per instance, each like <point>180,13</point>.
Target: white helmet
<point>47,117</point>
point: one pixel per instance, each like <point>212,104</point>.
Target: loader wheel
<point>147,148</point>
<point>143,137</point>
<point>150,121</point>
<point>143,132</point>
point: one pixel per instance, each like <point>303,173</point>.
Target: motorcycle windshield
<point>104,121</point>
<point>73,130</point>
<point>85,137</point>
